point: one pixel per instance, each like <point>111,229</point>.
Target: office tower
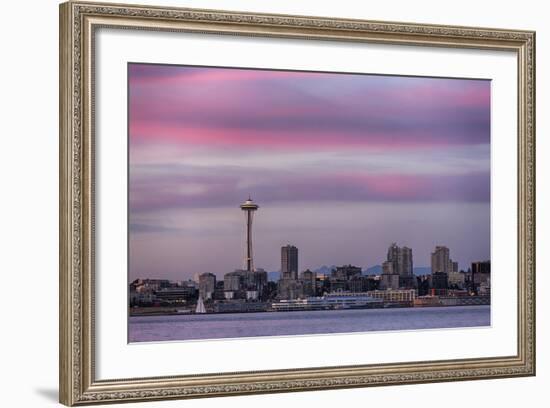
<point>440,259</point>
<point>289,262</point>
<point>401,259</point>
<point>453,266</point>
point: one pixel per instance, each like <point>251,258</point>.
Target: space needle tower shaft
<point>249,207</point>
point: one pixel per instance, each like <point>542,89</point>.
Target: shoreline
<point>176,312</point>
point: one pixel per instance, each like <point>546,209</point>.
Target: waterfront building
<point>255,280</point>
<point>372,282</point>
<point>240,306</point>
<point>465,300</point>
<point>440,259</point>
<point>341,277</point>
<point>427,301</point>
<point>252,295</point>
<point>142,298</point>
<point>327,302</point>
<point>233,281</point>
<point>150,285</point>
<point>240,281</point>
<point>360,284</point>
<point>308,282</point>
<point>389,281</point>
<point>175,296</point>
<point>290,289</point>
<point>440,281</point>
<point>189,283</point>
<point>480,275</point>
<point>322,284</point>
<point>337,285</point>
<point>289,262</point>
<point>485,288</point>
<point>479,278</point>
<point>401,296</point>
<point>207,285</point>
<point>345,272</point>
<point>424,283</point>
<point>458,292</point>
<point>219,293</point>
<point>457,279</point>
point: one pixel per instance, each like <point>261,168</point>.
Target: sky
<point>341,165</point>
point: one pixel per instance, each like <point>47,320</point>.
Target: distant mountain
<point>326,270</point>
<point>377,270</point>
<point>373,270</point>
<point>273,276</point>
<point>422,270</point>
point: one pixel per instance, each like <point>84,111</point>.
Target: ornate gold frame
<point>78,21</point>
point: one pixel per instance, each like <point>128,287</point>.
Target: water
<point>216,326</point>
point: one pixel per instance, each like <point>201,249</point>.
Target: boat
<point>200,306</point>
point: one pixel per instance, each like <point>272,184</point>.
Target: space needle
<point>249,207</point>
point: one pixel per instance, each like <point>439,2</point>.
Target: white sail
<point>200,306</point>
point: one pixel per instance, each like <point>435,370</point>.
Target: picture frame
<point>79,24</point>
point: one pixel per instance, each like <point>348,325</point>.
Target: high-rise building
<point>481,267</point>
<point>390,278</point>
<point>440,259</point>
<point>393,257</point>
<point>387,268</point>
<point>406,262</point>
<point>401,258</point>
<point>400,261</point>
<point>289,262</point>
<point>207,285</point>
<point>453,266</point>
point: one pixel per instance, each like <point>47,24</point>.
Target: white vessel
<point>200,306</point>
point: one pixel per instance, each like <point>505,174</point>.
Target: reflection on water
<point>216,326</point>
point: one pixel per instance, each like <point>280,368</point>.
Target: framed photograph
<point>256,203</point>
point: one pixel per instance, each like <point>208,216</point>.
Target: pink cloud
<point>247,139</point>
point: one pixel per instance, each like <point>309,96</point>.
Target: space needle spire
<point>249,207</point>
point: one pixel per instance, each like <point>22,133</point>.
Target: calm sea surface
<point>216,326</point>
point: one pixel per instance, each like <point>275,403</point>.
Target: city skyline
<point>342,165</point>
<point>326,270</point>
